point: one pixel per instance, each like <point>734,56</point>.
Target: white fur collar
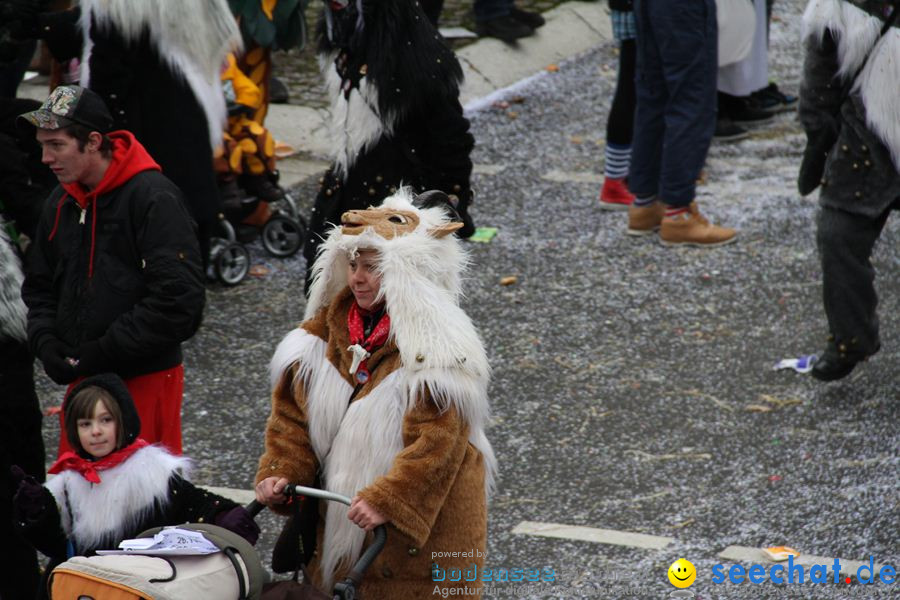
<point>192,36</point>
<point>109,511</point>
<point>856,34</point>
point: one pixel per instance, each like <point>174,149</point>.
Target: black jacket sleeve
<point>62,33</point>
<point>172,310</point>
<point>191,504</point>
<point>450,145</point>
<point>821,95</point>
<point>19,199</point>
<point>37,289</point>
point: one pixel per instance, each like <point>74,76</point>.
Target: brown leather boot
<point>692,229</point>
<point>645,220</point>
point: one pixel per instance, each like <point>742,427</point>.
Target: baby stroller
<point>272,215</point>
<point>234,573</point>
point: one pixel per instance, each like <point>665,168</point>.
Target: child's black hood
<point>113,384</point>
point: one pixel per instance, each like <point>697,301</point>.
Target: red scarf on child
<point>69,461</point>
<point>364,344</point>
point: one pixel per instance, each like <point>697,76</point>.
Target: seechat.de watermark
<point>791,573</point>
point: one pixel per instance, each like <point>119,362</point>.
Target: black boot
<point>504,28</point>
<point>532,19</point>
<point>838,361</point>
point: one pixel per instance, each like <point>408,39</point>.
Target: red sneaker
<point>615,195</point>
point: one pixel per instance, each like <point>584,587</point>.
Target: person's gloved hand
<point>55,357</point>
<point>239,521</point>
<point>31,497</point>
<point>91,359</point>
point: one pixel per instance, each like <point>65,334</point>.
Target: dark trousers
<point>20,444</point>
<point>491,9</point>
<point>676,97</point>
<point>620,124</point>
<point>845,243</point>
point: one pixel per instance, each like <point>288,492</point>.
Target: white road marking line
<point>573,176</point>
<point>592,534</point>
<point>487,169</point>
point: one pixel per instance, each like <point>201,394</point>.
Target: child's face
<point>99,433</point>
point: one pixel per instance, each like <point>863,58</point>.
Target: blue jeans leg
<point>676,96</point>
<point>649,111</point>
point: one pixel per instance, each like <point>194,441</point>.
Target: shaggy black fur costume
<point>396,116</point>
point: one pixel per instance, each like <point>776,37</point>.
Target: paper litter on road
<point>483,234</point>
<point>802,364</point>
<point>780,553</point>
<point>172,541</point>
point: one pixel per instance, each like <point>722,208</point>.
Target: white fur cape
<point>439,347</point>
<point>192,36</point>
<point>356,124</point>
<point>126,495</point>
<point>856,34</point>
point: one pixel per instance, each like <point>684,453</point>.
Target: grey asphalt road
<point>633,386</point>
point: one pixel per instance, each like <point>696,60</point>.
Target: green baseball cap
<point>68,104</point>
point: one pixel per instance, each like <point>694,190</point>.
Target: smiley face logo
<point>682,573</point>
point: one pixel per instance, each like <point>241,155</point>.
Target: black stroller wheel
<point>282,236</point>
<point>232,264</point>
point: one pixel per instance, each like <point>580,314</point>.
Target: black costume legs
<point>845,242</point>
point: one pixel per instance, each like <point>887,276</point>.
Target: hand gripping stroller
<point>343,590</point>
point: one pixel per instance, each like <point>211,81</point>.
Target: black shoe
<point>727,131</point>
<point>742,110</point>
<point>278,92</point>
<point>262,187</point>
<point>773,100</point>
<point>834,364</point>
<point>832,367</point>
<point>532,19</point>
<point>505,28</point>
<point>747,112</point>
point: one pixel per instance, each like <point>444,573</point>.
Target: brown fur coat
<point>414,463</point>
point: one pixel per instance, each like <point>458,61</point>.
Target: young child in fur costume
<point>382,393</point>
<point>395,112</point>
<point>114,485</point>
<point>849,109</point>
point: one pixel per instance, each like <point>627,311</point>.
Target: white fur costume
<point>128,494</point>
<point>440,354</point>
<point>193,37</point>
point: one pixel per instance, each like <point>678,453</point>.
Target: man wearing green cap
<point>113,281</point>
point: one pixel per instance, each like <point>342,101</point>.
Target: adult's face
<point>364,279</point>
<point>66,160</point>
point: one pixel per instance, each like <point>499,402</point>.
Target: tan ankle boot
<point>692,229</point>
<point>645,220</point>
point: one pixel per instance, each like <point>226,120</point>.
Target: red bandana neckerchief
<point>69,461</point>
<point>362,346</point>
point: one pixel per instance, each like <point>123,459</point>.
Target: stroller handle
<point>354,577</point>
<point>346,588</point>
